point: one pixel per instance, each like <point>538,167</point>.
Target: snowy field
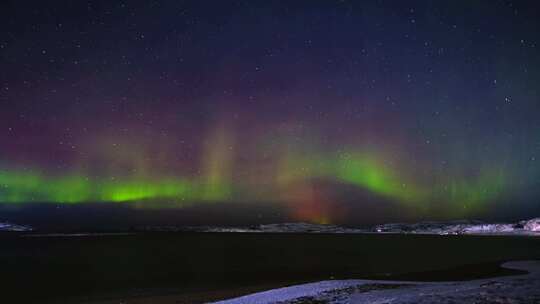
<point>518,289</point>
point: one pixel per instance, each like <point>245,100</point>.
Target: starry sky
<point>321,111</point>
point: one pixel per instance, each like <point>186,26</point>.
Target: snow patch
<point>532,225</point>
<point>5,226</point>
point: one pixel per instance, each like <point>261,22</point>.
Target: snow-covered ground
<point>529,227</point>
<point>520,289</point>
<point>4,226</point>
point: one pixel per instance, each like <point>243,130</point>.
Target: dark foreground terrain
<point>197,267</point>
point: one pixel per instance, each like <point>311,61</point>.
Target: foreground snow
<point>513,289</point>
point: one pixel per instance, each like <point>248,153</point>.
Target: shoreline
<point>524,288</point>
<point>223,296</point>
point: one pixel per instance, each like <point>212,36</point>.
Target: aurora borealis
<point>324,108</point>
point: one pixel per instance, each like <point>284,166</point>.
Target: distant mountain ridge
<point>527,227</point>
<point>531,227</point>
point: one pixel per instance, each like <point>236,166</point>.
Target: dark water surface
<point>74,269</point>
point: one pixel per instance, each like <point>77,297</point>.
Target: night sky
<point>257,111</point>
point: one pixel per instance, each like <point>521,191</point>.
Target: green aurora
<point>360,169</point>
<point>22,187</point>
